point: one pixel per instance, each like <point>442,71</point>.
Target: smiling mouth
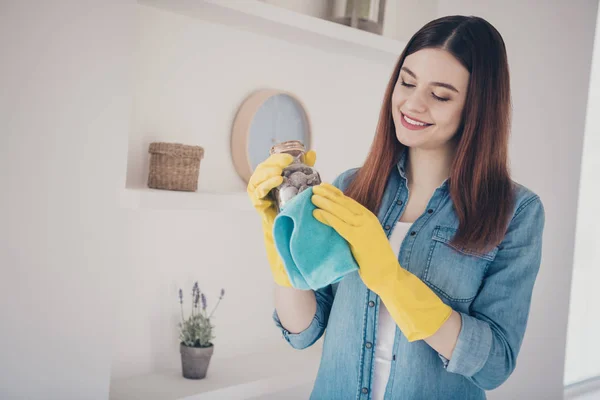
<point>413,122</point>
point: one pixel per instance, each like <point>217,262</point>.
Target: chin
<point>410,139</point>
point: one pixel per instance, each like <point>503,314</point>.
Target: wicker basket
<point>174,166</point>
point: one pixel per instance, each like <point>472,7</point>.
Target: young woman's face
<point>431,89</point>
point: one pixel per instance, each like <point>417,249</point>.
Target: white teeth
<point>413,122</point>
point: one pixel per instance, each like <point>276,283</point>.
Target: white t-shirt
<point>386,327</point>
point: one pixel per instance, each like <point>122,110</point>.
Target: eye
<point>442,99</point>
<point>439,98</point>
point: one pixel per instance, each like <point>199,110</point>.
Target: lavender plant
<point>197,330</point>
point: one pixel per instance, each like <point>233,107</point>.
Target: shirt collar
<point>401,165</point>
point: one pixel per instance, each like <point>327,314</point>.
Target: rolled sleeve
<point>310,335</point>
<point>492,332</point>
<point>305,338</point>
<point>472,348</point>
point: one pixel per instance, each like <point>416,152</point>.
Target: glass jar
<point>297,177</point>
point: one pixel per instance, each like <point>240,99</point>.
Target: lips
<point>411,126</point>
<point>414,119</point>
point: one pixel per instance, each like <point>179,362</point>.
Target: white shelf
<point>280,23</point>
<point>243,377</point>
<point>155,199</point>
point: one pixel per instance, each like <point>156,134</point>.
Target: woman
<point>448,247</point>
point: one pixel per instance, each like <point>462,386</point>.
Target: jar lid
<point>291,146</point>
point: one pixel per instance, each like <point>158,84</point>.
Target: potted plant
<point>196,335</point>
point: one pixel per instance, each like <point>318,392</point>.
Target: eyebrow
<point>442,84</point>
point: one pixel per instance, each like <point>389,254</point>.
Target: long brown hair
<point>479,182</point>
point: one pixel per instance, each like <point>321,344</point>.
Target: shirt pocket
<point>455,273</point>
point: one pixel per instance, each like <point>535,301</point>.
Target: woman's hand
<point>267,176</point>
<point>361,229</point>
<point>415,308</point>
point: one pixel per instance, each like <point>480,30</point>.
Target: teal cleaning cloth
<point>314,254</point>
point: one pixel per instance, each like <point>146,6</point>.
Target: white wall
<point>583,346</point>
<point>403,18</point>
<point>64,115</point>
<point>315,8</point>
<point>549,48</point>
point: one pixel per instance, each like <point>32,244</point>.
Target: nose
<point>415,103</point>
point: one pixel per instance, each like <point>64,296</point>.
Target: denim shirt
<point>491,292</point>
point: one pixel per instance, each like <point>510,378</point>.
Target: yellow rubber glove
<point>267,176</point>
<point>416,309</point>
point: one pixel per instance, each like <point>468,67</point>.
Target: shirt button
<point>365,390</point>
<point>430,211</point>
<point>399,202</point>
<point>387,227</point>
<point>413,233</point>
<point>371,303</point>
<point>368,345</point>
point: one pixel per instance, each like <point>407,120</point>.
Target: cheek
<point>396,97</point>
<point>447,125</point>
<point>449,118</point>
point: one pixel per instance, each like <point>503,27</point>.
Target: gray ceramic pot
<point>195,360</point>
